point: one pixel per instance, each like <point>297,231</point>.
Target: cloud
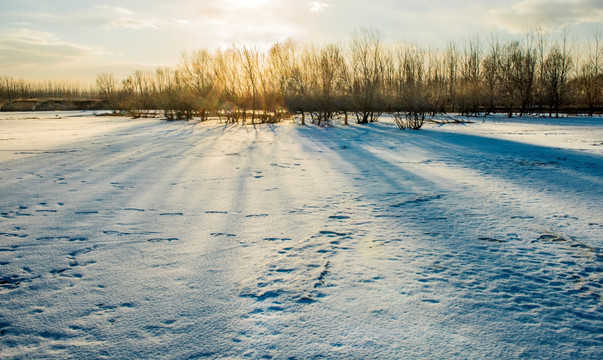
<point>131,23</point>
<point>257,23</point>
<point>126,18</point>
<point>550,13</point>
<point>316,6</point>
<point>117,9</point>
<point>26,47</point>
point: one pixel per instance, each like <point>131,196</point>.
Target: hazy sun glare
<point>256,23</point>
<point>251,4</point>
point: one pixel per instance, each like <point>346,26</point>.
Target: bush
<point>179,105</point>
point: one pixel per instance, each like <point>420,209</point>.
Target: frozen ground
<point>147,239</point>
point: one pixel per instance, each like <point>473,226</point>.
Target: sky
<point>76,40</point>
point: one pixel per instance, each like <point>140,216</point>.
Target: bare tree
<point>557,65</point>
<point>229,83</point>
<point>282,67</point>
<point>411,96</point>
<point>9,88</point>
<point>541,51</point>
<point>106,85</point>
<point>300,84</point>
<point>491,70</point>
<point>436,81</point>
<point>196,72</point>
<point>526,72</point>
<point>137,94</point>
<point>366,59</point>
<point>249,60</point>
<point>589,75</point>
<point>516,67</point>
<point>328,69</point>
<point>164,80</point>
<point>471,77</point>
<point>451,63</point>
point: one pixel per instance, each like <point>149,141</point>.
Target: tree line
<point>366,78</point>
<point>15,89</point>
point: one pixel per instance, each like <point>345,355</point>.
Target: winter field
<point>146,239</point>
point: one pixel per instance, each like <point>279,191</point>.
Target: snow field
<point>147,239</point>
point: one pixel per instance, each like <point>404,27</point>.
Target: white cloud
<point>26,47</point>
<point>549,13</point>
<point>117,9</point>
<point>126,18</point>
<point>131,23</point>
<point>316,6</point>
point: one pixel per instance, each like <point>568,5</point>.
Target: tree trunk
<point>364,119</point>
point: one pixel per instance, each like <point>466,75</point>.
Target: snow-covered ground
<point>148,239</point>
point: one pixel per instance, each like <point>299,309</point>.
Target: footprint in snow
<point>222,234</point>
<point>14,235</point>
<point>116,233</point>
<point>489,239</point>
<point>11,282</point>
<point>420,198</point>
<point>431,301</point>
<point>339,217</point>
<point>276,239</point>
<point>162,239</point>
<point>329,233</point>
<point>78,238</point>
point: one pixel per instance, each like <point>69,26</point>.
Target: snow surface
<point>148,239</point>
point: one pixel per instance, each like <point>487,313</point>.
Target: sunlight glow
<point>249,4</point>
<point>316,6</point>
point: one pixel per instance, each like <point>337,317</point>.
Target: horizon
<point>76,41</point>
